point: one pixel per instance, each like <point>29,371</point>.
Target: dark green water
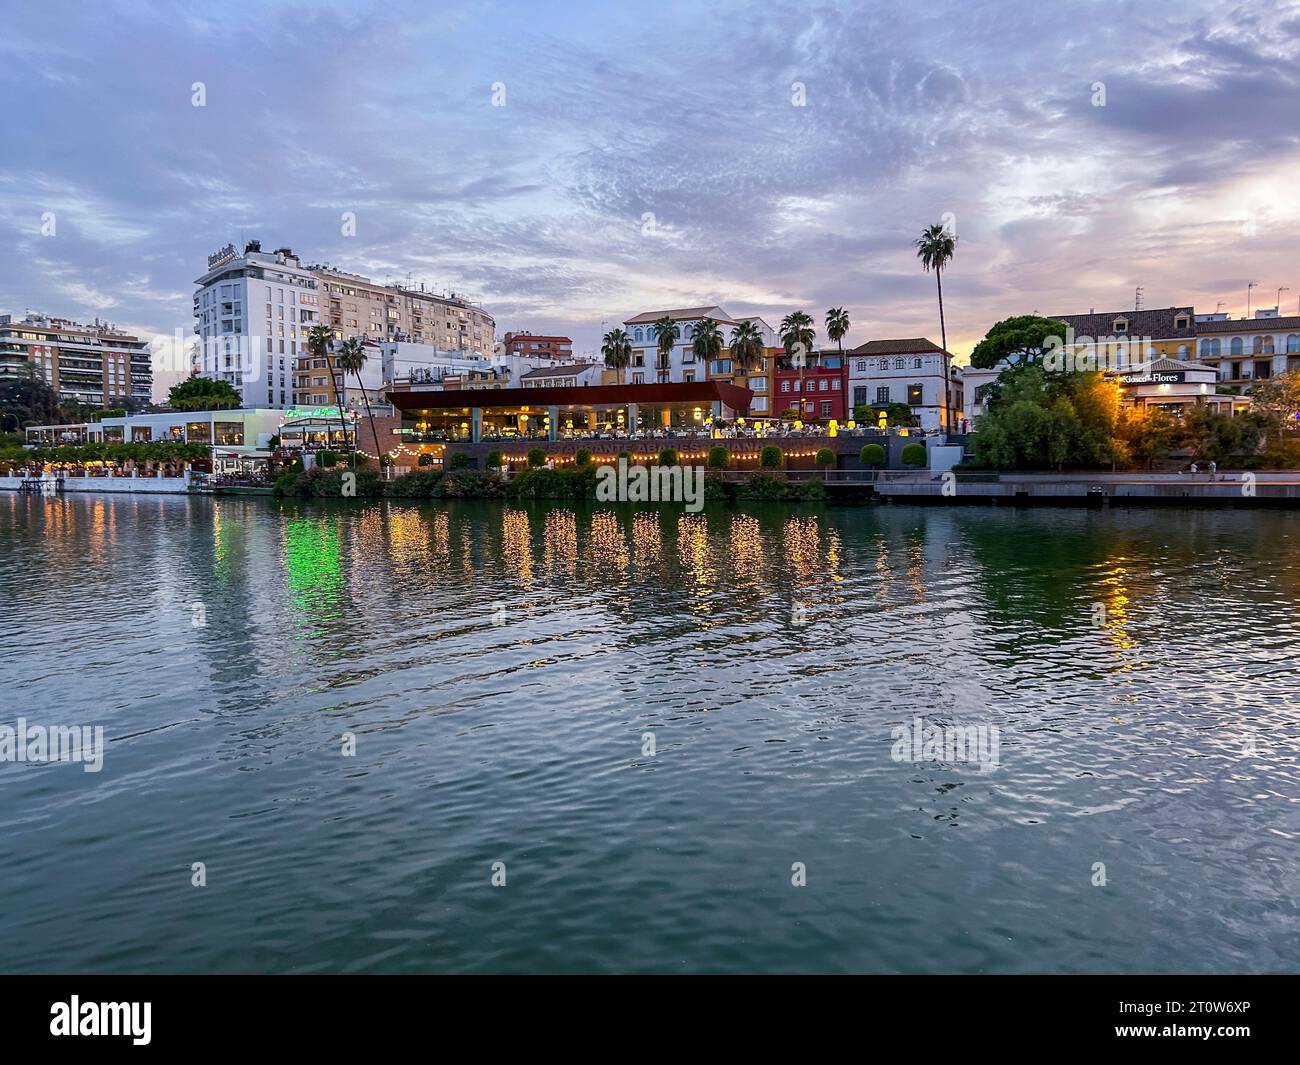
<point>501,669</point>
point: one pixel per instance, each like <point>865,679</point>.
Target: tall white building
<point>253,314</point>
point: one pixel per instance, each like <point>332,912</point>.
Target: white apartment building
<point>913,371</point>
<point>682,364</point>
<point>254,312</point>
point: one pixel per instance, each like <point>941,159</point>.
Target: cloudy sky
<point>765,156</point>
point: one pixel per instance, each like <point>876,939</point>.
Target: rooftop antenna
<point>1137,298</point>
<point>1218,307</point>
<point>1248,288</point>
<point>1281,289</point>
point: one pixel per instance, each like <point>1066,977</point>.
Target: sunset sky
<point>1183,182</point>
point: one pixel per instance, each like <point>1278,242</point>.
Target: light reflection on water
<point>1130,659</point>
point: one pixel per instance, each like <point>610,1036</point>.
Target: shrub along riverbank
<point>571,483</point>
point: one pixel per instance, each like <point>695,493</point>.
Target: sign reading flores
<point>651,484</point>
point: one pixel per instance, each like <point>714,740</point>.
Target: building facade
<point>1245,350</point>
<point>537,345</point>
<point>255,310</point>
<point>913,371</point>
<point>815,390</point>
<point>98,365</point>
<point>254,313</point>
<point>680,366</point>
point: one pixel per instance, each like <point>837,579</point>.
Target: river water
<point>674,737</point>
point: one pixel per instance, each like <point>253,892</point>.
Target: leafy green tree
<point>202,393</point>
<point>1021,341</point>
<point>719,458</point>
<point>824,457</point>
<point>914,455</point>
<point>871,455</point>
<point>896,414</point>
<point>669,457</point>
<point>935,248</point>
<point>26,399</point>
<point>536,458</point>
<point>582,457</point>
<point>771,457</point>
<point>1044,420</point>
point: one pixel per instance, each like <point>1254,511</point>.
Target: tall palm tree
<point>708,342</point>
<point>935,249</point>
<point>320,345</point>
<point>798,334</point>
<point>837,324</point>
<point>747,347</point>
<point>666,335</point>
<point>616,346</point>
<point>352,360</point>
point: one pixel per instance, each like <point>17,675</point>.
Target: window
<point>882,394</point>
<point>785,386</point>
<point>1119,325</point>
<point>1238,346</point>
<point>1183,351</point>
<point>862,366</point>
<point>835,385</point>
<point>1182,322</point>
<point>860,396</point>
<point>884,364</point>
<point>916,363</point>
<point>899,363</point>
<point>758,384</point>
<point>915,395</point>
<point>826,409</point>
<point>1263,369</point>
<point>1263,346</point>
<point>825,384</point>
<point>1293,343</point>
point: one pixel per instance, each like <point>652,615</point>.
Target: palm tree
<point>797,334</point>
<point>666,335</point>
<point>837,324</point>
<point>708,341</point>
<point>352,360</point>
<point>320,345</point>
<point>616,346</point>
<point>935,248</point>
<point>747,347</point>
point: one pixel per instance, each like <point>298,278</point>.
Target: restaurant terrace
<point>612,412</point>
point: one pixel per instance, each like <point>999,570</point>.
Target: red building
<point>819,390</point>
<point>535,345</point>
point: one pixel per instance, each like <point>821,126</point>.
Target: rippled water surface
<point>505,670</point>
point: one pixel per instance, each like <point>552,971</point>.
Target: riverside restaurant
<point>597,412</point>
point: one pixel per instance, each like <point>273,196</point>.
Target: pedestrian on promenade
<point>1214,468</point>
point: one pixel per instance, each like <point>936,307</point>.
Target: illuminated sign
<point>223,256</point>
<point>294,413</point>
<point>1173,377</point>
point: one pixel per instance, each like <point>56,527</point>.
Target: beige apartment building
<point>94,364</point>
<point>357,306</point>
